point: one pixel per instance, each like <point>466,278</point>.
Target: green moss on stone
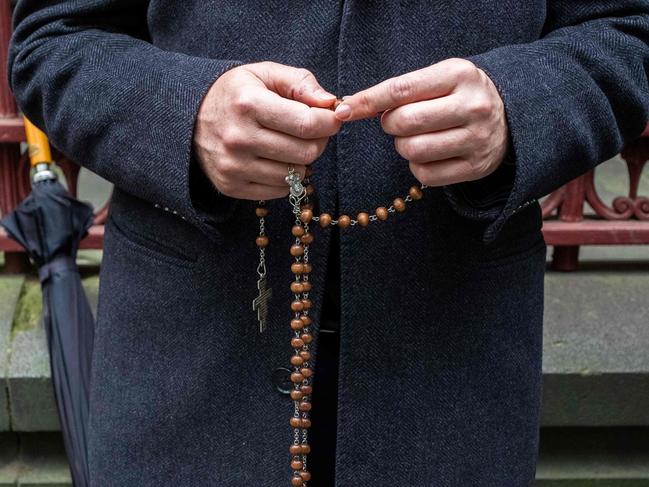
<point>29,307</point>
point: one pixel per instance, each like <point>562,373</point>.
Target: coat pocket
<point>149,247</point>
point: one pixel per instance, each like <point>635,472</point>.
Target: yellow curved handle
<point>37,144</point>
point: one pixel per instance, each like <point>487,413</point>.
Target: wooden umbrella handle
<point>37,144</point>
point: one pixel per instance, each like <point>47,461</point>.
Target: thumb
<point>297,84</point>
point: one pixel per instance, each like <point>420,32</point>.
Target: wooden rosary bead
<point>296,422</point>
<point>297,343</point>
<point>307,268</point>
<point>306,423</point>
<point>306,286</point>
<point>306,372</point>
<point>296,377</point>
<point>261,212</point>
<point>325,220</point>
<point>307,239</point>
<point>306,215</point>
<point>307,337</point>
<point>297,230</point>
<point>297,287</point>
<point>415,193</point>
<point>295,450</point>
<point>309,190</point>
<point>297,324</point>
<point>297,268</point>
<point>305,475</point>
<point>344,221</point>
<point>297,250</point>
<point>296,395</point>
<point>297,305</point>
<point>262,241</point>
<point>305,354</point>
<point>306,304</point>
<point>306,320</point>
<point>363,219</point>
<point>296,360</point>
<point>297,482</point>
<point>399,204</point>
<point>306,449</point>
<point>296,465</point>
<point>305,406</point>
<point>382,213</point>
<point>306,390</point>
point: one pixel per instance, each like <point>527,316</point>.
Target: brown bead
<point>399,204</point>
<point>297,230</point>
<point>306,303</point>
<point>305,406</point>
<point>296,377</point>
<point>344,221</point>
<point>295,450</point>
<point>306,320</point>
<point>296,465</point>
<point>261,212</point>
<point>325,220</point>
<point>297,268</point>
<point>296,395</point>
<point>306,372</point>
<point>306,449</point>
<point>306,215</point>
<point>297,287</point>
<point>415,193</point>
<point>297,343</point>
<point>297,324</point>
<point>363,219</point>
<point>297,482</point>
<point>297,250</point>
<point>307,268</point>
<point>305,354</point>
<point>307,337</point>
<point>306,423</point>
<point>262,241</point>
<point>382,213</point>
<point>306,390</point>
<point>297,360</point>
<point>307,239</point>
<point>309,190</point>
<point>296,422</point>
<point>305,475</point>
<point>306,286</point>
<point>297,305</point>
<point>306,206</point>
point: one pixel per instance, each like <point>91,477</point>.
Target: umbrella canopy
<point>50,224</point>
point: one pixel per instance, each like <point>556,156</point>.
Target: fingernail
<point>343,112</point>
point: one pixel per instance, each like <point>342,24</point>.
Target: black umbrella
<point>50,224</point>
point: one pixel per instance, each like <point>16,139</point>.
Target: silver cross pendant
<point>260,303</point>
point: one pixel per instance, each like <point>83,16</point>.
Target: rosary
<point>302,375</point>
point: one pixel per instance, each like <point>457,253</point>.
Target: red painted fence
<point>567,225</point>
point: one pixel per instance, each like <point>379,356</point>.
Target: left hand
<point>448,120</point>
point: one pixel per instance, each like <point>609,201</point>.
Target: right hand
<point>257,119</point>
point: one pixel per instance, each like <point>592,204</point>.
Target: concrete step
<point>594,457</point>
<point>33,460</point>
<point>596,337</point>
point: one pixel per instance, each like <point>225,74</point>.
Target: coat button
<point>282,380</point>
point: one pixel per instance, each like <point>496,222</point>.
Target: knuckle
<point>232,138</point>
<point>310,153</point>
<point>400,88</point>
<point>480,106</point>
<point>244,102</point>
<point>464,68</point>
<point>409,120</point>
<point>228,168</point>
<point>420,172</point>
<point>306,126</point>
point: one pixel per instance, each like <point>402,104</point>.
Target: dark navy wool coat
<point>440,366</point>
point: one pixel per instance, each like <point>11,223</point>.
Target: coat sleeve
<point>86,73</point>
<point>573,98</point>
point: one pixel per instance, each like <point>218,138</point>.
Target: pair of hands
<point>448,122</point>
